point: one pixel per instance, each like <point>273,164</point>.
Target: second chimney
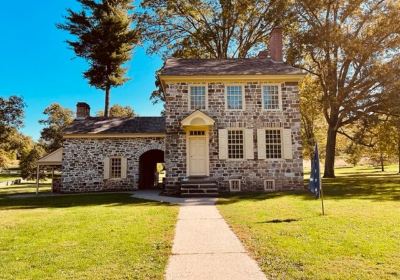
<point>82,111</point>
<point>276,44</point>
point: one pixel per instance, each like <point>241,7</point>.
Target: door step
<point>199,187</point>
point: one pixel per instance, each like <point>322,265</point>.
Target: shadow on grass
<point>279,221</point>
<point>104,199</point>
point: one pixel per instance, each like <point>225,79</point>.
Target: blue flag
<point>315,176</point>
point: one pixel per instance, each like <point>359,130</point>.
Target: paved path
<point>204,245</point>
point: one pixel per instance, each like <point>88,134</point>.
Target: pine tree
<point>105,38</point>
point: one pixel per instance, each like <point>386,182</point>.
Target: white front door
<point>198,156</point>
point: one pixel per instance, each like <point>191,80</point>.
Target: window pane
<point>198,97</point>
<point>234,97</point>
<point>115,168</point>
<point>273,143</point>
<point>235,144</point>
<point>271,97</point>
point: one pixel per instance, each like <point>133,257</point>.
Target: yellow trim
<point>119,135</point>
<point>187,122</point>
<point>234,78</point>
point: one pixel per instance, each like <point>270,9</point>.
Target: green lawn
<point>25,188</point>
<point>6,177</point>
<point>93,236</point>
<point>359,238</point>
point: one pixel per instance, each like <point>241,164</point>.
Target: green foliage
<point>312,120</point>
<point>11,119</point>
<point>118,111</point>
<point>351,47</point>
<point>104,37</point>
<point>28,162</point>
<point>210,29</point>
<point>58,118</point>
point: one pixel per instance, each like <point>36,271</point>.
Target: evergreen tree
<point>105,38</point>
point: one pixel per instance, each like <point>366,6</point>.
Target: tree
<point>385,145</point>
<point>58,118</point>
<point>11,119</point>
<point>11,114</point>
<point>28,163</point>
<point>211,28</point>
<point>104,37</point>
<point>352,49</point>
<point>311,114</point>
<point>118,111</point>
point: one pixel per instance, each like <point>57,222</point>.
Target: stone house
<point>229,125</point>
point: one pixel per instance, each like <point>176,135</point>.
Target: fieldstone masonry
<point>83,162</point>
<point>288,174</point>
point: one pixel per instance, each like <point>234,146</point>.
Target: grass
<point>359,238</point>
<point>25,188</point>
<point>7,177</point>
<point>92,236</point>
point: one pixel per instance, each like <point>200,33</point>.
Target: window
<point>197,133</point>
<point>235,144</point>
<point>197,97</point>
<point>269,185</point>
<point>271,98</point>
<point>234,98</point>
<point>273,140</point>
<point>115,168</point>
<point>234,185</point>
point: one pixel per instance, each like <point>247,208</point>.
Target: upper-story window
<point>234,98</point>
<point>271,97</point>
<point>197,97</point>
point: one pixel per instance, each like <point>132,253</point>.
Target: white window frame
<point>244,144</point>
<point>190,96</point>
<point>269,181</point>
<point>243,97</point>
<point>110,168</point>
<point>279,85</point>
<point>236,181</point>
<point>265,143</point>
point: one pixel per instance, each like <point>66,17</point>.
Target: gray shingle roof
<point>101,125</point>
<point>244,66</point>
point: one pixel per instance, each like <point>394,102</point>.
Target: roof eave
<point>237,77</point>
<point>91,135</point>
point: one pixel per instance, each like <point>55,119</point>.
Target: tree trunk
<point>329,171</point>
<point>107,102</point>
<point>382,163</point>
<point>398,149</point>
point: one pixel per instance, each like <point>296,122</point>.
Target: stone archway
<point>147,168</point>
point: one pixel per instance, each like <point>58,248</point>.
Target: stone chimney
<point>82,111</point>
<point>276,45</point>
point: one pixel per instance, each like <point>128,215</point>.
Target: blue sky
<point>37,65</point>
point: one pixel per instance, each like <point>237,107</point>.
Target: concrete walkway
<point>204,245</point>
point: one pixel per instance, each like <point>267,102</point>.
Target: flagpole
<point>321,194</point>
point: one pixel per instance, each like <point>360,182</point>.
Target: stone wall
<point>83,162</point>
<point>288,174</point>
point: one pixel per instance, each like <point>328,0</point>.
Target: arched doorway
<point>148,161</point>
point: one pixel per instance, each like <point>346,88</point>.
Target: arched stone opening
<point>149,177</point>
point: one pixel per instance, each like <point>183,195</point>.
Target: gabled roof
<point>54,158</point>
<point>197,118</point>
<point>242,66</point>
<point>101,125</point>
